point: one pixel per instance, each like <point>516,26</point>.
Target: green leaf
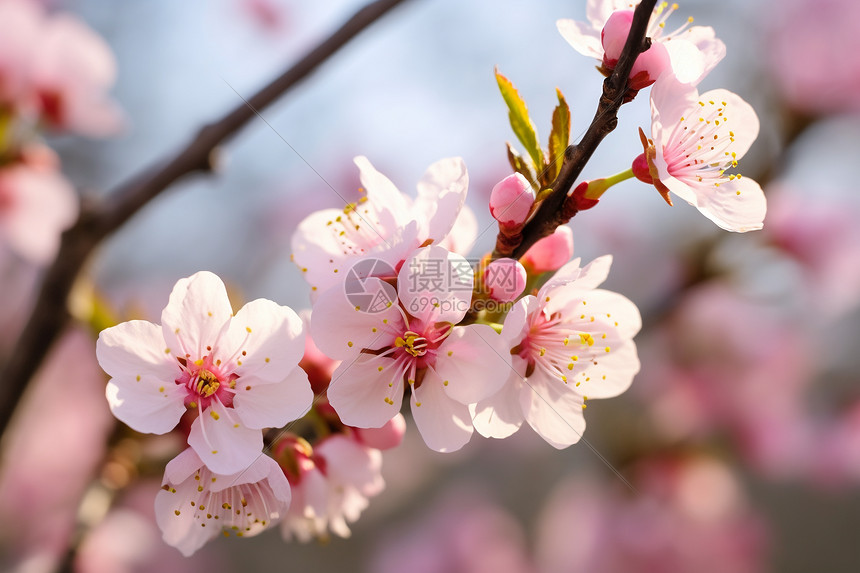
<point>520,166</point>
<point>521,123</point>
<point>559,138</point>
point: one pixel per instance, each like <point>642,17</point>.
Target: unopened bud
<point>505,279</point>
<point>641,169</point>
<point>650,63</point>
<point>551,252</point>
<point>511,200</point>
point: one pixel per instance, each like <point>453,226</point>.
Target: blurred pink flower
<point>687,515</point>
<point>36,205</point>
<point>823,237</point>
<point>571,342</point>
<point>55,69</point>
<point>464,533</point>
<point>53,448</point>
<point>240,372</point>
<point>244,503</point>
<point>811,45</point>
<point>331,487</point>
<point>693,51</point>
<point>731,366</point>
<point>695,140</point>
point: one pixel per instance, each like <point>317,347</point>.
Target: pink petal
<point>358,391</point>
<point>149,405</point>
<point>553,410</point>
<point>266,338</point>
<point>475,361</point>
<point>384,194</point>
<point>135,348</point>
<point>224,445</point>
<point>435,285</point>
<point>348,462</point>
<point>500,415</point>
<point>444,423</point>
<point>196,315</point>
<point>463,235</point>
<point>341,330</point>
<point>737,205</point>
<point>441,194</point>
<point>741,119</point>
<point>584,39</point>
<point>273,405</point>
<point>616,313</point>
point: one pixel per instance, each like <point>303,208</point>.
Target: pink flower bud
<point>388,436</point>
<point>550,253</point>
<point>511,200</point>
<point>505,279</point>
<point>648,66</point>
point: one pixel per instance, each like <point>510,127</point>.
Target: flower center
<point>414,344</point>
<point>207,383</point>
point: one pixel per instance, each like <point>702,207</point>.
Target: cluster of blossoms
<point>54,75</point>
<point>696,139</point>
<point>398,311</point>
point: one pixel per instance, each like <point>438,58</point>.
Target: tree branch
<point>96,222</point>
<point>553,211</point>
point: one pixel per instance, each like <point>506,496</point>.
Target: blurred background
<point>737,447</point>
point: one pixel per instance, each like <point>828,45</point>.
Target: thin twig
<point>552,211</point>
<point>97,221</point>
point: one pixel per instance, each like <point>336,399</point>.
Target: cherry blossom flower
<point>412,341</point>
<point>240,372</point>
<point>57,70</point>
<point>693,51</point>
<point>196,504</point>
<point>36,205</point>
<point>383,223</point>
<point>331,487</point>
<point>570,343</point>
<point>72,70</point>
<point>696,139</point>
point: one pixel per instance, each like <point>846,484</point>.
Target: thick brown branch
<point>550,213</point>
<point>50,314</point>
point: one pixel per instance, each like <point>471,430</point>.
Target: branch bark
<point>50,314</point>
<point>553,211</point>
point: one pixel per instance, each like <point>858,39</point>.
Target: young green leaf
<point>559,138</point>
<point>520,166</point>
<point>521,123</point>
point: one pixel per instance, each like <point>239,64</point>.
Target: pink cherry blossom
<point>384,223</point>
<point>240,372</point>
<point>332,487</point>
<point>36,205</point>
<point>511,200</point>
<point>693,51</point>
<point>56,70</point>
<point>196,504</point>
<point>550,253</point>
<point>696,139</point>
<point>569,343</point>
<point>412,341</point>
<point>650,64</point>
